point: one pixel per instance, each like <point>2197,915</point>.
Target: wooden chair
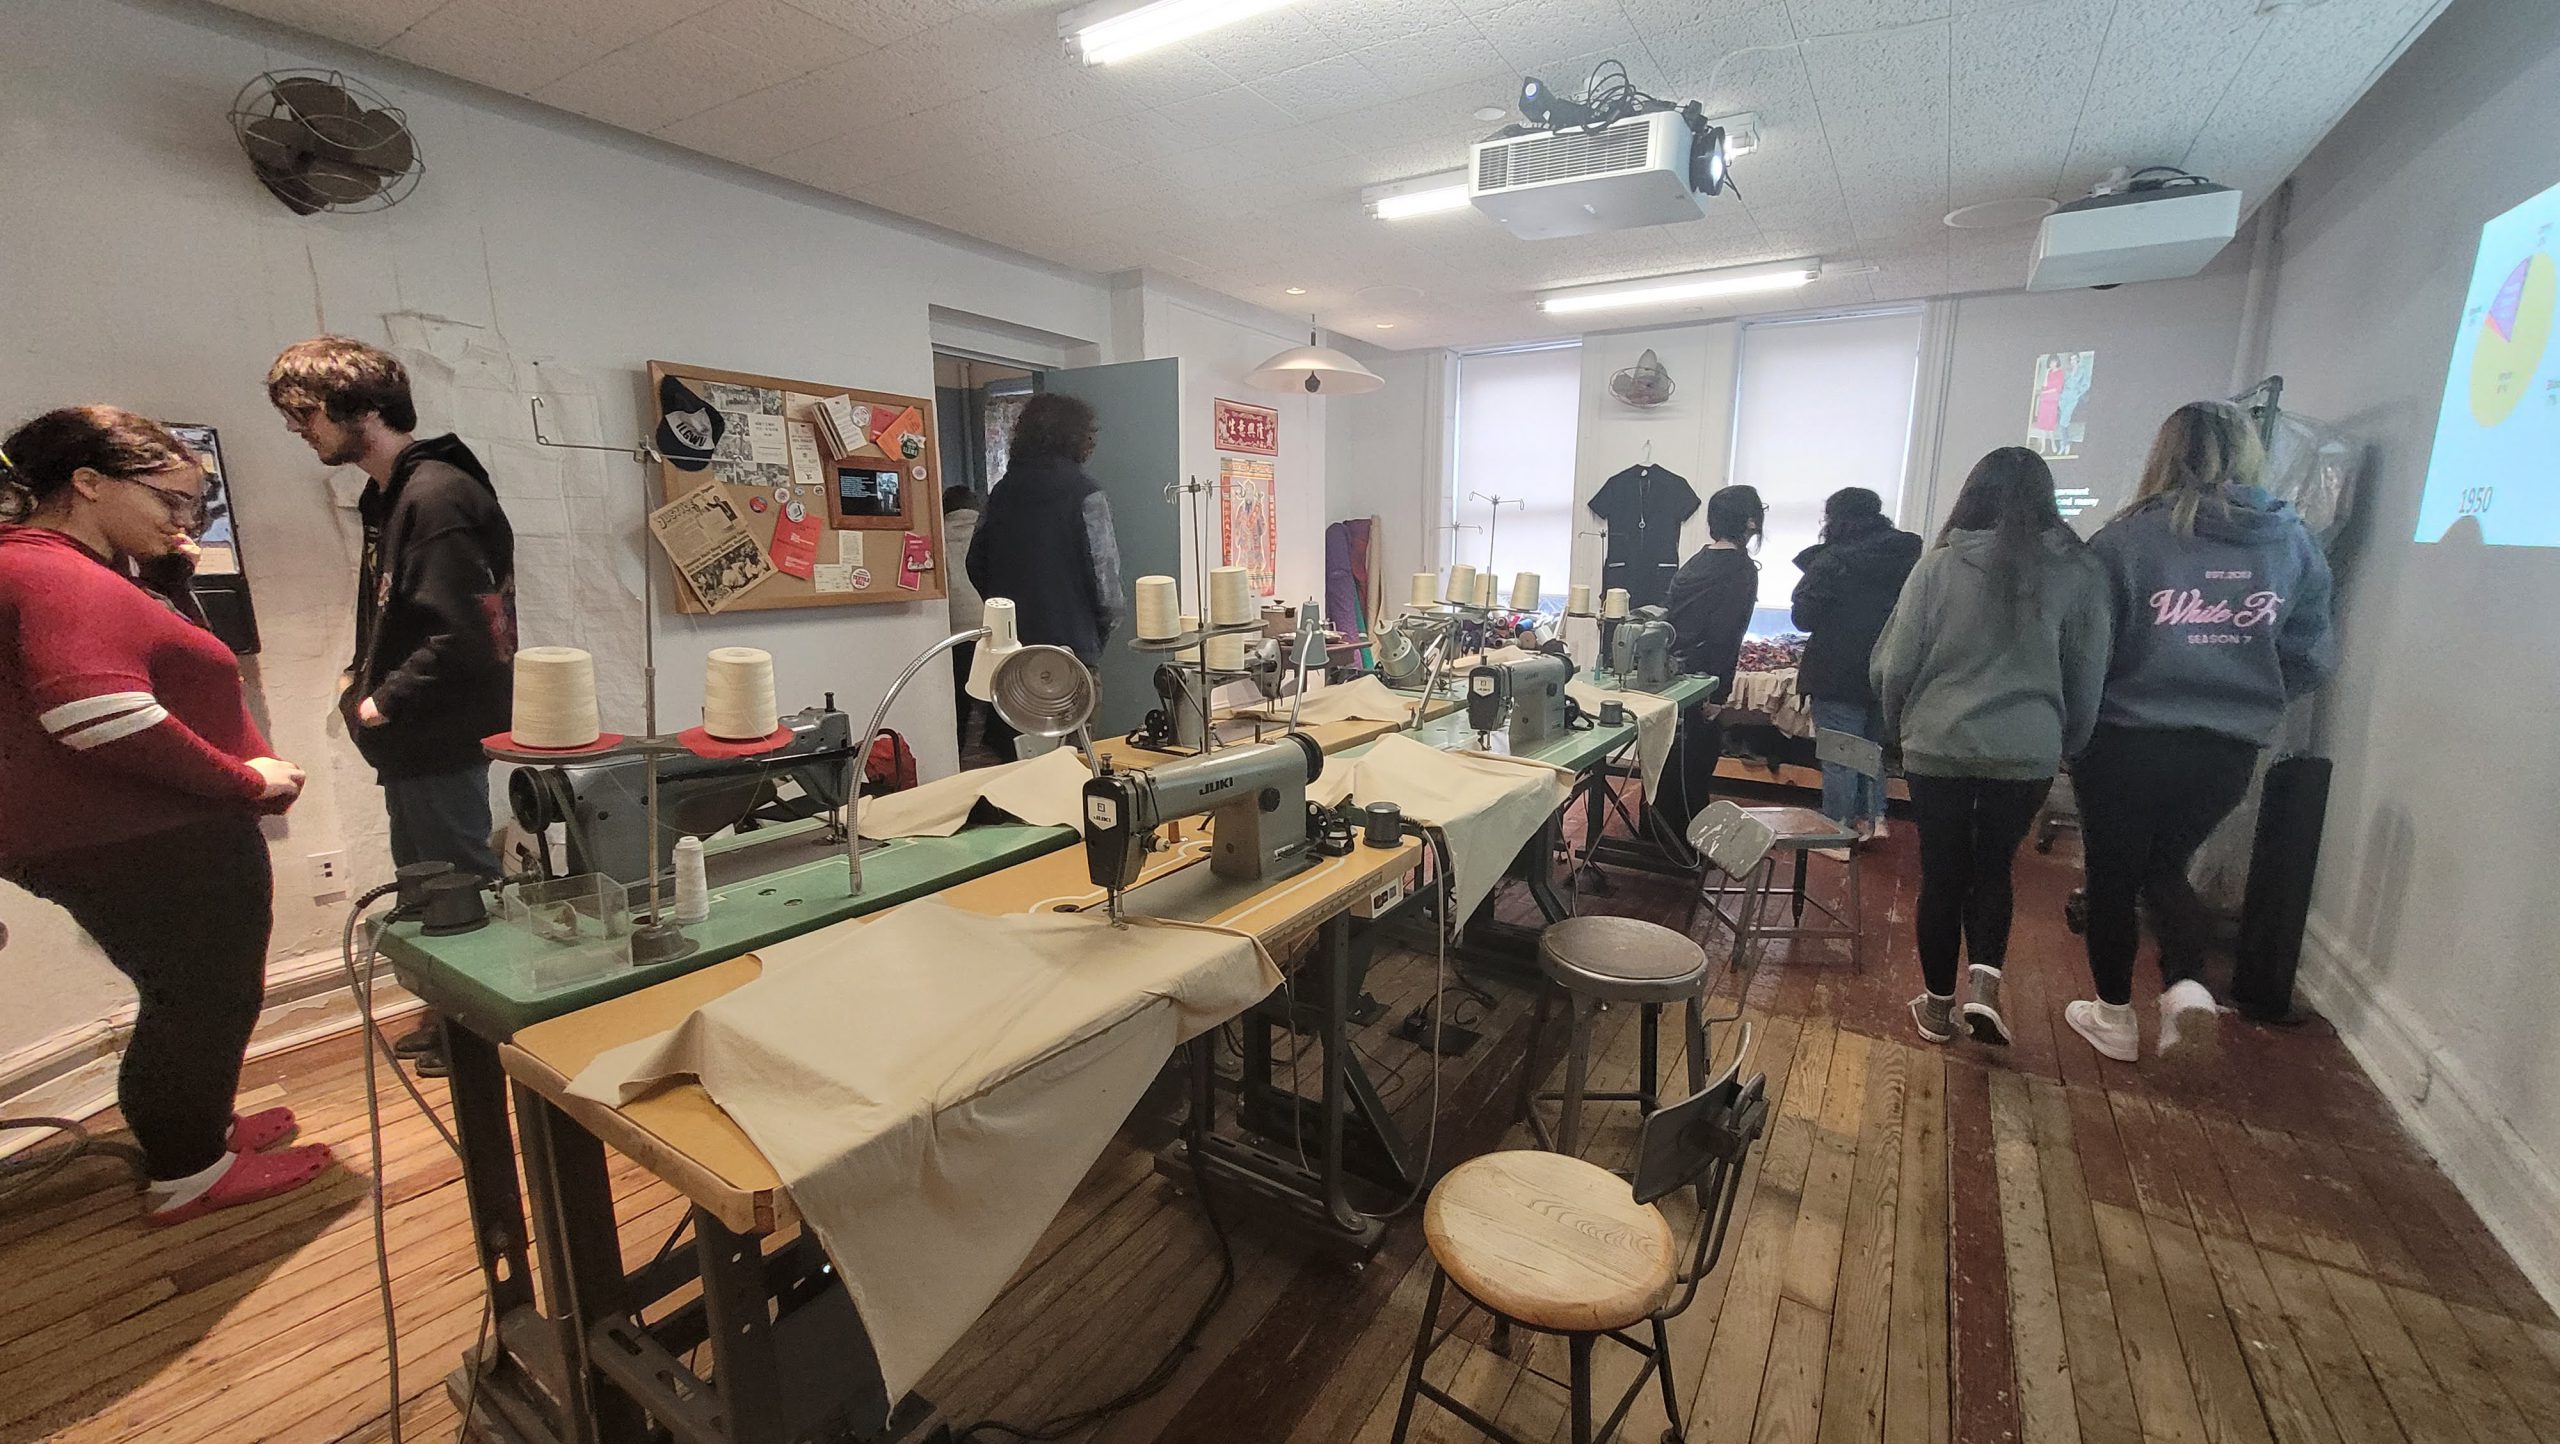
<point>1547,1242</point>
<point>1739,901</point>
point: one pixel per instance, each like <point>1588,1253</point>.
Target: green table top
<point>1572,751</point>
<point>485,978</point>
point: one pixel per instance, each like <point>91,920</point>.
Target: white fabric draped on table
<point>1363,699</point>
<point>1047,790</point>
<point>1657,722</point>
<point>1486,805</point>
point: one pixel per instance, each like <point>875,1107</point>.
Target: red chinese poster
<point>1249,522</point>
<point>1238,427</point>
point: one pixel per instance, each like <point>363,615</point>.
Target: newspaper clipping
<point>710,545</point>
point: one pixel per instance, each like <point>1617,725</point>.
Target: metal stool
<point>1799,832</point>
<point>1597,960</point>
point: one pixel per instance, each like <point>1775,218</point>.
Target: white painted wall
<point>2433,923</point>
<point>1692,433</point>
<point>147,268</point>
<point>1384,455</point>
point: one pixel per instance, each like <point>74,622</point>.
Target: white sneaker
<point>1883,830</point>
<point>2188,1016</point>
<point>1934,1017</point>
<point>2111,1028</point>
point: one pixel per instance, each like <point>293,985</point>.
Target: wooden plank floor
<point>1932,1245</point>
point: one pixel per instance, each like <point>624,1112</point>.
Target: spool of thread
<point>693,885</point>
<point>737,694</point>
<point>1191,653</point>
<point>1462,584</point>
<point>1159,608</point>
<point>1230,596</point>
<point>1426,590</point>
<point>1486,582</point>
<point>1524,592</point>
<point>1578,601</point>
<point>555,702</point>
<point>998,619</point>
<point>1226,653</point>
<point>1614,605</point>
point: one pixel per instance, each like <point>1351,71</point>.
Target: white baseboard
<point>72,1074</point>
<point>2515,1190</point>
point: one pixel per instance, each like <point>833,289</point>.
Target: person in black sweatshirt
<point>1712,597</point>
<point>1045,539</point>
<point>435,635</point>
<point>1850,581</point>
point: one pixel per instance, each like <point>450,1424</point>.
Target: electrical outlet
<point>328,874</point>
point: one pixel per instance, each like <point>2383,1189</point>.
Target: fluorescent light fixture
<point>1427,195</point>
<point>1118,30</point>
<point>1670,290</point>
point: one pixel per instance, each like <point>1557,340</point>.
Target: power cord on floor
<point>22,1174</point>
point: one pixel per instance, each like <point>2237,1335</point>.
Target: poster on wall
<point>1249,524</point>
<point>1239,427</point>
<point>2057,393</point>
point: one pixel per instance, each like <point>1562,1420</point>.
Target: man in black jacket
<point>1045,539</point>
<point>433,669</point>
<point>1852,578</point>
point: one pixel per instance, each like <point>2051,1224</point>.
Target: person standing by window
<point>1988,672</point>
<point>433,670</point>
<point>1712,597</point>
<point>2221,606</point>
<point>132,778</point>
<point>1851,579</point>
<point>1045,538</point>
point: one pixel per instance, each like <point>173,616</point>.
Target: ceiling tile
<point>789,41</point>
<point>656,82</point>
<point>2165,67</point>
<point>1756,17</point>
<point>752,128</point>
<point>2015,96</point>
<point>881,22</point>
<point>505,47</point>
<point>1226,115</point>
<point>1845,17</point>
<point>1359,26</point>
<point>1265,44</point>
<point>2307,70</point>
<point>1534,35</point>
<point>1884,113</point>
<point>842,165</point>
<point>1328,87</point>
<point>1433,59</point>
<point>1164,77</point>
<point>369,23</point>
<point>612,24</point>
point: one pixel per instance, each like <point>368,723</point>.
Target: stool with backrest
<point>1596,960</point>
<point>1797,833</point>
<point>1547,1242</point>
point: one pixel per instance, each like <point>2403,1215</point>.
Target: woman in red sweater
<point>131,782</point>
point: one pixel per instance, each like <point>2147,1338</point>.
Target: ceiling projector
<point>1610,159</point>
<point>2154,232</point>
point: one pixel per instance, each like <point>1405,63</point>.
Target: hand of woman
<point>283,779</point>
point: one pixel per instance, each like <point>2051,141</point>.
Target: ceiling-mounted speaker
<point>320,141</point>
<point>1043,691</point>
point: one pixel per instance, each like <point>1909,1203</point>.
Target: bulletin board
<point>864,527</point>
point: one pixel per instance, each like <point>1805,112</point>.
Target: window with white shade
<point>1518,412</point>
<point>1819,404</point>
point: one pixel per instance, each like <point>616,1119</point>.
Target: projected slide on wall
<point>2494,475</point>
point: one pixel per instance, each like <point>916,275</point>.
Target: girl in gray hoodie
<point>1989,672</point>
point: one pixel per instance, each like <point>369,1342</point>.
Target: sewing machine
<point>1408,646</point>
<point>1526,696</point>
<point>1640,651</point>
<point>1255,797</point>
<point>602,806</point>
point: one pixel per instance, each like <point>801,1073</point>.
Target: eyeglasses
<point>185,508</point>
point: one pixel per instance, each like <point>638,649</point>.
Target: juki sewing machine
<point>1526,697</point>
<point>1254,795</point>
<point>602,806</point>
<point>1640,651</point>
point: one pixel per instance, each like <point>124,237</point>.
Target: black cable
<point>41,1170</point>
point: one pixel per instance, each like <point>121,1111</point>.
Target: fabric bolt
<point>1970,828</point>
<point>1848,795</point>
<point>1488,807</point>
<point>2149,799</point>
<point>1657,722</point>
<point>1363,699</point>
<point>1046,791</point>
<point>442,817</point>
<point>1644,507</point>
<point>933,1083</point>
<point>185,913</point>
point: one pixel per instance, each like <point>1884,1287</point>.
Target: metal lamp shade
<point>1314,371</point>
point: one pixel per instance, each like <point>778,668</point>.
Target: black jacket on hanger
<point>1643,506</point>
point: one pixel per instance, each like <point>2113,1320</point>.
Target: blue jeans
<point>1850,797</point>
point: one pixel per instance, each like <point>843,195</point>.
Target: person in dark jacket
<point>1045,538</point>
<point>435,636</point>
<point>1850,581</point>
<point>2221,606</point>
<point>132,778</point>
<point>1712,597</point>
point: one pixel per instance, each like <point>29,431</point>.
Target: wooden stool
<point>1548,1242</point>
<point>1598,960</point>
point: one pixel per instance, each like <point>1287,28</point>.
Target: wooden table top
<point>678,1133</point>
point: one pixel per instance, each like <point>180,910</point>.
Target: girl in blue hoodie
<point>2221,602</point>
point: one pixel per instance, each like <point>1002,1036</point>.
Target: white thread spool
<point>1486,584</point>
<point>1426,590</point>
<point>1230,596</point>
<point>1614,605</point>
<point>1191,653</point>
<point>1462,584</point>
<point>1577,601</point>
<point>1226,652</point>
<point>555,704</point>
<point>693,884</point>
<point>1524,592</point>
<point>737,694</point>
<point>1159,608</point>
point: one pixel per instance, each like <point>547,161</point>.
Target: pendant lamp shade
<point>1314,370</point>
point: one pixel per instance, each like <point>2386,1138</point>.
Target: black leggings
<point>185,914</point>
<point>1970,828</point>
<point>2148,800</point>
